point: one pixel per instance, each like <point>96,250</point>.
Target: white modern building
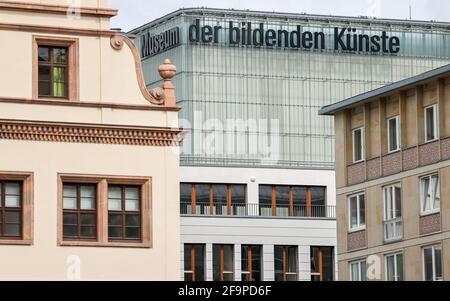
<point>257,177</point>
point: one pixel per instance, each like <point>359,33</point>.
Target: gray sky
<point>133,13</point>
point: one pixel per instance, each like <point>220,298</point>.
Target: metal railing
<point>393,229</point>
<point>258,210</point>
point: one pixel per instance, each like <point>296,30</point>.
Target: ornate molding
<point>58,9</point>
<point>89,133</point>
<point>57,30</point>
<point>157,96</point>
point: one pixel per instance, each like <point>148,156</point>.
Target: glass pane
<point>265,195</point>
<point>354,267</point>
<point>12,229</point>
<point>363,267</point>
<point>44,73</point>
<point>238,194</point>
<point>228,258</point>
<point>244,258</point>
<point>70,197</point>
<point>245,277</point>
<point>12,189</point>
<point>291,264</point>
<point>59,75</point>
<point>393,134</point>
<point>187,258</point>
<point>115,232</point>
<point>186,193</point>
<point>219,194</point>
<point>299,195</point>
<point>132,199</point>
<point>115,220</point>
<point>199,263</point>
<point>43,54</point>
<point>87,197</point>
<point>132,220</point>
<point>88,231</point>
<point>430,130</point>
<point>59,89</point>
<point>428,263</point>
<point>228,277</point>
<point>216,263</point>
<point>188,277</point>
<point>398,202</point>
<point>353,212</point>
<point>278,257</point>
<point>362,210</point>
<point>202,193</point>
<point>291,277</point>
<point>400,267</point>
<point>70,219</point>
<point>390,264</point>
<point>438,263</point>
<point>59,55</point>
<point>425,194</point>
<point>44,88</point>
<point>436,192</point>
<point>12,217</point>
<point>114,198</point>
<point>282,196</point>
<point>87,219</point>
<point>327,264</point>
<point>357,145</point>
<point>132,232</point>
<point>69,231</point>
<point>12,201</point>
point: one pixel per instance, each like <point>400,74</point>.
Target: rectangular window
<point>53,71</point>
<point>322,263</point>
<point>358,145</point>
<point>213,199</point>
<point>10,210</point>
<point>393,225</point>
<point>432,263</point>
<point>394,267</point>
<point>104,211</point>
<point>358,271</point>
<point>430,194</point>
<point>357,212</point>
<point>286,263</point>
<point>251,263</point>
<point>296,201</point>
<point>431,123</point>
<point>124,213</point>
<point>194,262</point>
<point>394,134</point>
<point>79,212</point>
<point>223,263</point>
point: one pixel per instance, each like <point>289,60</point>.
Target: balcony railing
<point>393,229</point>
<point>258,210</point>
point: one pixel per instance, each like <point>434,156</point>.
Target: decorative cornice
<point>89,133</point>
<point>57,30</point>
<point>87,104</point>
<point>58,9</point>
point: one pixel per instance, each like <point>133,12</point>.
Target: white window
<point>392,199</point>
<point>431,123</point>
<point>394,267</point>
<point>394,134</point>
<point>432,263</point>
<point>358,145</point>
<point>357,212</point>
<point>430,196</point>
<point>358,271</point>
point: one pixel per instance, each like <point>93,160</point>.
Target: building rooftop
<point>293,17</point>
<point>384,91</point>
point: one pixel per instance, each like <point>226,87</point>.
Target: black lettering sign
<point>153,45</point>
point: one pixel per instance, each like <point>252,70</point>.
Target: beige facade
<point>100,128</point>
<point>420,219</point>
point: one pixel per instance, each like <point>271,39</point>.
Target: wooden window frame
<point>102,183</point>
<point>193,261</point>
<point>72,45</point>
<point>80,211</point>
<point>320,273</point>
<point>285,262</point>
<point>250,260</point>
<point>291,199</point>
<point>222,262</point>
<point>27,216</point>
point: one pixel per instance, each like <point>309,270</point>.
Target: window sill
<point>357,162</point>
<point>430,141</point>
<point>142,245</point>
<point>355,230</point>
<point>428,213</point>
<point>394,151</point>
<point>16,242</point>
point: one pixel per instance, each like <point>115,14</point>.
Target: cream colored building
<point>393,180</point>
<point>89,168</point>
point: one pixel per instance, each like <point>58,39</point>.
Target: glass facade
<point>258,105</point>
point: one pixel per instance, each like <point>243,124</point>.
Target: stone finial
<point>167,71</point>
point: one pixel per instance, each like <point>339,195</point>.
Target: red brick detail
<point>429,153</point>
<point>445,149</point>
<point>356,173</point>
<point>356,240</point>
<point>410,160</point>
<point>392,164</point>
<point>430,224</point>
<point>373,169</point>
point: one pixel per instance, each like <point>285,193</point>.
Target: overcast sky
<point>133,13</point>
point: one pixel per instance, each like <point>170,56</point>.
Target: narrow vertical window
<point>251,263</point>
<point>358,271</point>
<point>223,262</point>
<point>430,194</point>
<point>357,212</point>
<point>124,213</point>
<point>322,263</point>
<point>53,72</point>
<point>10,210</point>
<point>358,145</point>
<point>432,263</point>
<point>194,262</point>
<point>79,212</point>
<point>286,263</point>
<point>431,123</point>
<point>394,267</point>
<point>394,134</point>
<point>393,226</point>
